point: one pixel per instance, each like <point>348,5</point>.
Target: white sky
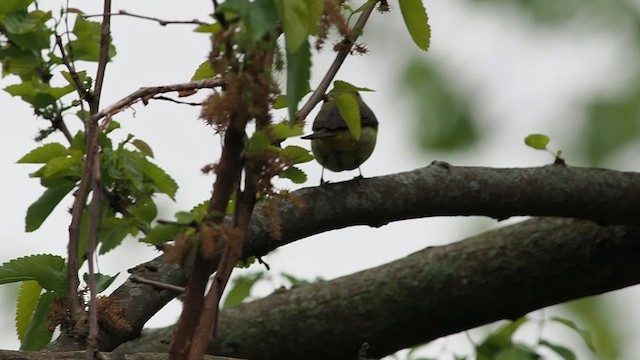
<point>528,81</point>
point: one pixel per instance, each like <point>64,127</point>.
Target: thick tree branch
<point>604,196</point>
<point>79,355</point>
<point>501,274</point>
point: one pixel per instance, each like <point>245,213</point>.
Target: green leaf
<point>27,300</point>
<point>258,141</point>
<point>43,154</point>
<point>87,45</point>
<point>208,28</point>
<point>259,16</point>
<point>64,165</point>
<point>442,119</point>
<point>241,289</point>
<point>517,352</point>
<point>102,281</point>
<point>200,211</point>
<point>283,131</point>
<point>298,75</point>
<point>537,141</point>
<point>161,179</point>
<point>82,77</point>
<point>585,334</point>
<point>280,102</point>
<point>204,71</point>
<point>300,19</point>
<point>161,234</point>
<point>294,280</point>
<point>498,340</point>
<point>566,353</point>
<point>294,174</point>
<point>144,148</point>
<point>48,270</point>
<point>296,154</point>
<point>340,86</point>
<point>38,94</point>
<point>144,209</point>
<point>114,230</point>
<point>22,22</point>
<point>7,6</point>
<point>350,111</point>
<point>20,62</point>
<point>38,335</point>
<point>415,17</point>
<point>38,212</point>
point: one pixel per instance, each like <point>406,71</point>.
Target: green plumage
<point>332,143</point>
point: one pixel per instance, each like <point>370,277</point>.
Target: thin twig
<point>159,21</point>
<point>93,153</point>
<point>147,93</point>
<point>92,237</point>
<point>322,87</point>
<point>103,58</point>
<point>177,101</point>
<point>157,284</point>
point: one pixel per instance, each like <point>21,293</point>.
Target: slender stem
<point>146,93</point>
<point>103,58</point>
<point>322,87</point>
<point>92,238</point>
<point>159,21</point>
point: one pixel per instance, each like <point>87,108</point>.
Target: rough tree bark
<point>516,262</point>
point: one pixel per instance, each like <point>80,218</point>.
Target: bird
<point>333,145</point>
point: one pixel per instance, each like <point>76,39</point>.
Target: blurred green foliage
<point>444,119</point>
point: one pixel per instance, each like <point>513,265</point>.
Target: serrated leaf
<point>44,153</point>
<point>258,141</point>
<point>415,17</point>
<point>259,16</point>
<point>241,289</point>
<point>38,335</point>
<point>340,86</point>
<point>585,334</point>
<point>537,141</point>
<point>161,234</point>
<point>160,178</point>
<point>298,75</point>
<point>48,270</point>
<point>28,296</point>
<point>82,77</point>
<point>350,111</point>
<point>200,211</point>
<point>38,212</point>
<point>22,22</point>
<point>102,281</point>
<point>64,165</point>
<point>38,94</point>
<point>283,131</point>
<point>87,43</point>
<point>204,71</point>
<point>296,154</point>
<point>280,102</point>
<point>294,174</point>
<point>113,231</point>
<point>299,19</point>
<point>565,352</point>
<point>143,147</point>
<point>144,209</point>
<point>7,6</point>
